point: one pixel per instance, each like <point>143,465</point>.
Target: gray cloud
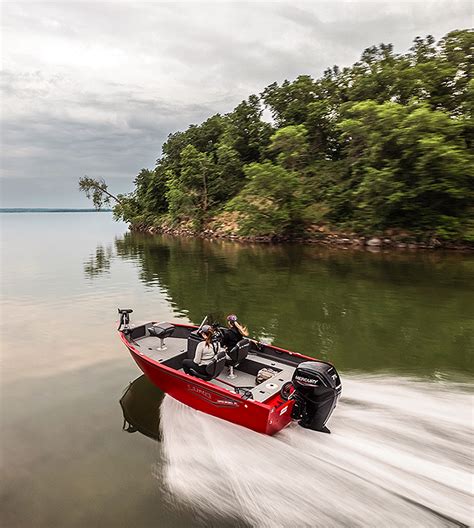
<point>111,135</point>
<point>95,88</point>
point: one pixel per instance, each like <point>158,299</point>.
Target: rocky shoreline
<point>397,241</point>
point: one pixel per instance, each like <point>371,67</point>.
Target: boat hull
<point>267,418</point>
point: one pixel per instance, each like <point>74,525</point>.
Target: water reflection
<point>99,262</point>
<point>141,408</point>
<point>411,313</point>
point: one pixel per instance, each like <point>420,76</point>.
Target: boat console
<point>237,355</point>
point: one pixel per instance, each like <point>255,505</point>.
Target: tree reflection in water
<point>99,262</point>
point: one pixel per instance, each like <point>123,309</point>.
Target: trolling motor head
<point>124,320</point>
<point>317,388</point>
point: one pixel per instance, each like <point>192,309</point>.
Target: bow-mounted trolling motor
<point>317,388</point>
<point>124,325</point>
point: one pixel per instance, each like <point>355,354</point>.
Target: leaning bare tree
<point>96,190</point>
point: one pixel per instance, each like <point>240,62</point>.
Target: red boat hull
<point>268,417</point>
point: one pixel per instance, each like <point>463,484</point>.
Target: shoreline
<point>329,239</point>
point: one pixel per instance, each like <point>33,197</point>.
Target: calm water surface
<point>399,327</point>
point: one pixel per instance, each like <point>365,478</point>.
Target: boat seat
<point>213,369</point>
<point>162,331</point>
<point>237,354</point>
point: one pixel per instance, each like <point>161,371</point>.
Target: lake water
<point>398,326</point>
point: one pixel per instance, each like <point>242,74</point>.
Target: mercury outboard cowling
<point>317,389</point>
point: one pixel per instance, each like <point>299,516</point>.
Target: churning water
<point>400,454</point>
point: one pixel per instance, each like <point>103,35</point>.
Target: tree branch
<point>97,191</point>
<point>99,188</point>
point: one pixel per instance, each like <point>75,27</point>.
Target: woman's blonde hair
<point>242,329</point>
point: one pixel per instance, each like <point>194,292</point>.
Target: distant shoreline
<point>50,210</point>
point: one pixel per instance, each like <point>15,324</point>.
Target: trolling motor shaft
<point>124,324</point>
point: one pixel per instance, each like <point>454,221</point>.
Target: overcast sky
<point>95,88</point>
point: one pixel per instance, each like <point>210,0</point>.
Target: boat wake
<point>400,454</point>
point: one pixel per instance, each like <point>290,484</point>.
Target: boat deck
<point>150,347</point>
<point>176,348</point>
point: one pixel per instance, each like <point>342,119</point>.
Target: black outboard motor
<point>317,389</point>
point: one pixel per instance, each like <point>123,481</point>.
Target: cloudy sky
<point>95,88</point>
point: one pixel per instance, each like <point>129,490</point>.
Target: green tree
<point>228,175</point>
<point>291,146</point>
<point>150,190</point>
<point>322,133</point>
<point>409,167</point>
<point>189,191</point>
<point>246,133</point>
<point>289,102</point>
<point>182,204</point>
<point>272,203</point>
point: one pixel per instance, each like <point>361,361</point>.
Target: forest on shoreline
<point>384,145</point>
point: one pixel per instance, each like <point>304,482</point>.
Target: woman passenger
<point>233,333</point>
<point>205,352</point>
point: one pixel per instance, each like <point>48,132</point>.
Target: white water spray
<point>400,454</point>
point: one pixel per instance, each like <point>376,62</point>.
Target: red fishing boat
<point>255,385</point>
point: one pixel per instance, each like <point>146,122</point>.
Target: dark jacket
<point>231,336</point>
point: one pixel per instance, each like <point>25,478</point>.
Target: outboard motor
<point>317,388</point>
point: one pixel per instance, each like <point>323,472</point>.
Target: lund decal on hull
<point>211,398</point>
